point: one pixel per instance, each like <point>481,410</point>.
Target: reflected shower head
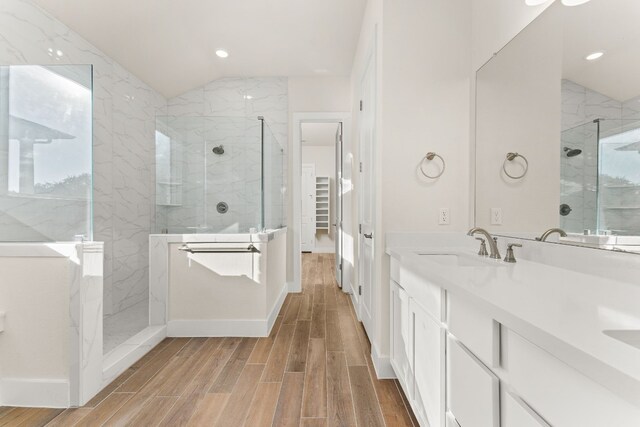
<point>572,152</point>
<point>219,150</point>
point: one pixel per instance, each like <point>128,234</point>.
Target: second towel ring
<point>430,156</point>
<point>511,157</point>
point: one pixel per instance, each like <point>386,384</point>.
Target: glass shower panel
<point>579,178</point>
<point>45,152</point>
<point>274,187</point>
<point>619,177</point>
<point>232,156</point>
<point>208,174</point>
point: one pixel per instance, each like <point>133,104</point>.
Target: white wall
<point>423,60</point>
<point>323,157</point>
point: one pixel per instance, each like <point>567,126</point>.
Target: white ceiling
<point>314,134</point>
<point>170,44</point>
<point>611,26</point>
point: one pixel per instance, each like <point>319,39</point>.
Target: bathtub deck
<point>313,370</point>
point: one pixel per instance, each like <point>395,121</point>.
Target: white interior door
<point>367,198</point>
<point>338,206</point>
<point>308,209</point>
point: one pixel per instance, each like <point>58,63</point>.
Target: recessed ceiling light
<point>574,2</point>
<point>534,2</point>
<point>222,53</point>
<point>593,56</point>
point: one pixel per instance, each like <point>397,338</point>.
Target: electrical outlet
<point>444,216</point>
<point>496,216</point>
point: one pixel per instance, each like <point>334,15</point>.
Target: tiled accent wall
<point>124,144</point>
<point>580,106</point>
<point>226,111</point>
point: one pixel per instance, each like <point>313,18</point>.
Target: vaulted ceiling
<point>171,44</point>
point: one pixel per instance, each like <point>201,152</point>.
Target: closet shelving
<point>322,202</point>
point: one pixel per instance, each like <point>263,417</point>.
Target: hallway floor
<point>313,370</point>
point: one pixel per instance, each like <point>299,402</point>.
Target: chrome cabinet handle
<point>368,236</point>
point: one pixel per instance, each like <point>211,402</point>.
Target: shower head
<point>572,152</point>
<point>219,150</point>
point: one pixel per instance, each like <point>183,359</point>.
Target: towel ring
<point>511,157</point>
<point>430,156</point>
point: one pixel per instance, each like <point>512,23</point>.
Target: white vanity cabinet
<point>461,367</point>
<point>473,390</point>
<point>417,355</point>
<point>516,413</point>
<point>400,351</point>
<point>428,365</point>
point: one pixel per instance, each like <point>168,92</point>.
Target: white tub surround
<point>222,287</point>
<point>561,318</point>
<point>52,294</point>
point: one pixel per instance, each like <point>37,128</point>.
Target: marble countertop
<point>568,313</point>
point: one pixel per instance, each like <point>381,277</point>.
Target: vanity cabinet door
<point>400,343</point>
<point>428,366</point>
<point>562,395</point>
<point>473,393</point>
<point>516,413</point>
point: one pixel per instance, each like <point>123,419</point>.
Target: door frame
<point>312,166</point>
<point>296,187</point>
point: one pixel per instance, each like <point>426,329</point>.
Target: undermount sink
<point>630,337</point>
<point>455,260</point>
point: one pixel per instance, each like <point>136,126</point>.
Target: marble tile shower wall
<point>123,146</point>
<point>580,106</point>
<point>234,177</point>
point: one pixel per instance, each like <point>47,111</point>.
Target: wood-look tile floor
<point>313,370</point>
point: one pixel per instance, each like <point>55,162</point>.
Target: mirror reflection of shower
<point>600,181</point>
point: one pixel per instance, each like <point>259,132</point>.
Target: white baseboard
<point>218,328</point>
<point>294,287</point>
<point>126,354</point>
<point>382,364</point>
<point>35,393</point>
<point>275,310</point>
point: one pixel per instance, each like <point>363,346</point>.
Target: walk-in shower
<point>218,175</point>
<point>600,178</point>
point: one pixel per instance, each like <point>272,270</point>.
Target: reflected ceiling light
<point>534,2</point>
<point>222,53</point>
<point>574,2</point>
<point>593,56</point>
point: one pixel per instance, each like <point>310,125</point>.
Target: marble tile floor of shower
<point>313,370</point>
<point>121,326</point>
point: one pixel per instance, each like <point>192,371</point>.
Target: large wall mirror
<point>558,128</point>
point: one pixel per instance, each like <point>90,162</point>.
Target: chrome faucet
<point>510,256</point>
<point>493,241</point>
<point>549,232</point>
